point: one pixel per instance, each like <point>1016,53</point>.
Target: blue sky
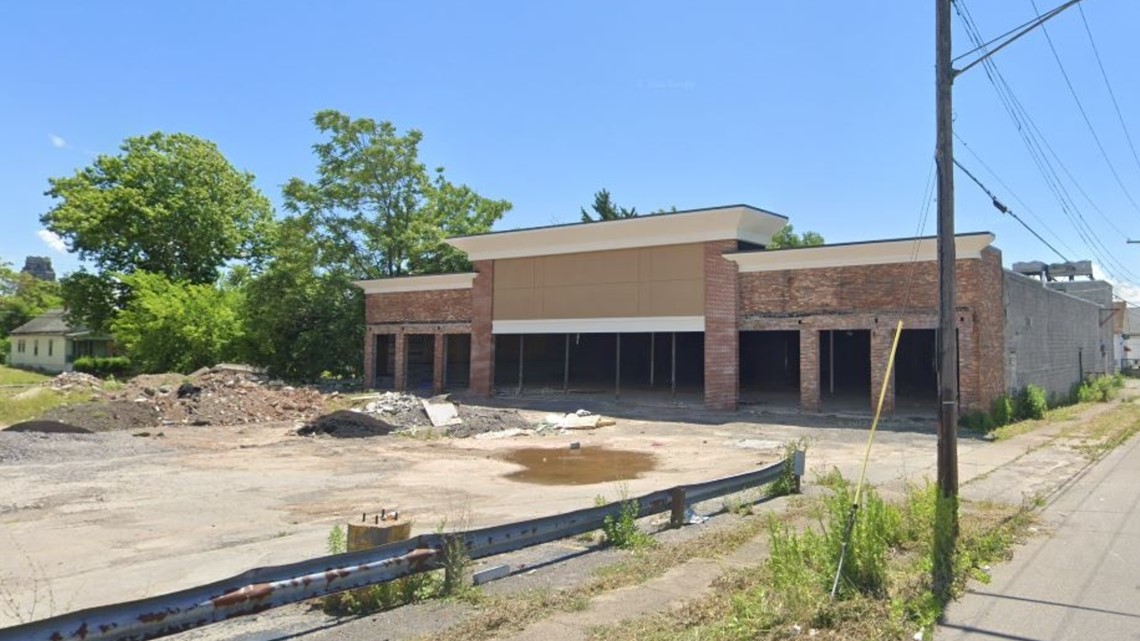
<point>821,111</point>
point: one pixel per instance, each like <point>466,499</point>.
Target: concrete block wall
<point>1099,292</point>
<point>1052,338</point>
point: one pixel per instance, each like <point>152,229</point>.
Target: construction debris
<point>346,424</point>
<point>441,412</point>
<point>74,380</point>
<point>580,420</point>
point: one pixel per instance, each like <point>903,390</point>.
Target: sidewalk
<point>1078,583</point>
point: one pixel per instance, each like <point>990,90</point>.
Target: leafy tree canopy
<point>168,204</point>
<point>170,326</point>
<point>606,209</point>
<point>787,238</point>
<point>375,210</point>
<point>23,297</point>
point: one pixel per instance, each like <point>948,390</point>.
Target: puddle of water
<point>585,466</point>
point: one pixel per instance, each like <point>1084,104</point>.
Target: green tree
<point>167,204</point>
<point>606,209</point>
<point>302,321</point>
<point>376,211</point>
<point>23,297</point>
<point>171,326</point>
<point>788,238</point>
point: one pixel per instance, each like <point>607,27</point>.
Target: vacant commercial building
<point>692,305</point>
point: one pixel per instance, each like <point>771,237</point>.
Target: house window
<point>51,346</point>
<point>20,346</point>
<point>36,347</point>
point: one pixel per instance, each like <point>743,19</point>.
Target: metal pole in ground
<point>673,369</point>
<point>521,344</point>
<point>617,368</point>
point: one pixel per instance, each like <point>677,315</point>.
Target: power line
<point>1108,85</point>
<point>1006,210</point>
<point>1024,206</point>
<point>1035,144</point>
<point>1084,114</point>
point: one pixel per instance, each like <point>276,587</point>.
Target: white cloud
<point>57,141</point>
<point>1122,290</point>
<point>52,240</point>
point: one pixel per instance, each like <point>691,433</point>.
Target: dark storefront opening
<point>421,362</point>
<point>916,369</point>
<point>770,367</point>
<point>384,361</point>
<point>845,367</point>
<point>599,363</point>
<point>457,361</point>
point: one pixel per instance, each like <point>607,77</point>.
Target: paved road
<point>1081,581</point>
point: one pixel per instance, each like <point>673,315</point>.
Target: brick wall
<point>444,305</point>
<point>874,297</point>
<point>722,338</point>
<point>482,342</point>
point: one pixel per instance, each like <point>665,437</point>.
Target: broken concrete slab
<point>441,413</point>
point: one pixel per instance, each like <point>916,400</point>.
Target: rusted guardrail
<point>264,588</point>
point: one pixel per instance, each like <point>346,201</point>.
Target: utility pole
<point>947,314</point>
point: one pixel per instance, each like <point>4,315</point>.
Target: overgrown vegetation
<point>621,531</point>
<point>1032,404</point>
<point>786,484</point>
<point>383,596</point>
<point>16,406</point>
<point>886,589</point>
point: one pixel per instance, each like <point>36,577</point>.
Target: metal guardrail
<point>261,589</point>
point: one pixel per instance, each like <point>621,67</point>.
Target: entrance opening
<point>770,367</point>
<point>421,362</point>
<point>384,361</point>
<point>457,361</point>
<point>599,363</point>
<point>845,368</point>
<point>916,370</point>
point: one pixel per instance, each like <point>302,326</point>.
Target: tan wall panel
<point>517,303</point>
<point>652,281</point>
<point>590,301</point>
<point>514,273</point>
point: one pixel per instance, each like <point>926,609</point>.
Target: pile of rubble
<point>407,413</point>
<point>222,395</point>
<point>69,381</point>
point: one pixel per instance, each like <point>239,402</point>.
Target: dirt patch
<point>105,416</point>
<point>346,424</point>
<point>47,427</point>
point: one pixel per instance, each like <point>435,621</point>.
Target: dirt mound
<point>346,424</point>
<point>47,427</point>
<point>107,415</point>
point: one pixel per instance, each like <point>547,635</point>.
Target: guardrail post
<point>799,466</point>
<point>677,502</point>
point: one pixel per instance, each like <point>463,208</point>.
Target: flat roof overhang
<point>734,222</point>
<point>427,283</point>
<point>879,252</point>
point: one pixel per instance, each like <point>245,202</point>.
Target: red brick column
<point>722,336</point>
<point>369,359</point>
<point>809,369</point>
<point>969,366</point>
<point>482,341</point>
<point>401,374</point>
<point>438,364</point>
<point>882,335</point>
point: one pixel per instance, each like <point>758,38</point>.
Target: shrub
<point>622,531</point>
<point>1033,403</point>
<point>978,421</point>
<point>103,367</point>
<point>1002,411</point>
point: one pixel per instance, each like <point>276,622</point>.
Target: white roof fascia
<point>428,283</point>
<point>726,223</point>
<point>873,253</point>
